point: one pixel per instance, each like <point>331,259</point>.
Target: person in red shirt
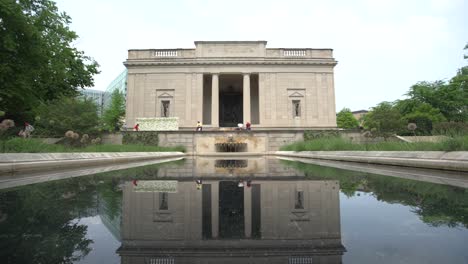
<point>136,127</point>
<point>247,125</point>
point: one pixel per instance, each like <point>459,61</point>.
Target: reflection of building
<point>110,217</point>
<point>223,83</point>
<point>260,167</point>
<point>282,221</point>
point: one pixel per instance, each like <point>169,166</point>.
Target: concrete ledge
<point>456,160</point>
<point>15,162</point>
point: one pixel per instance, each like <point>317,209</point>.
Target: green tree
<point>451,99</point>
<point>114,114</point>
<point>384,120</point>
<point>63,114</point>
<point>460,83</point>
<point>37,59</point>
<point>435,204</point>
<point>345,119</point>
<point>422,114</point>
<point>41,224</point>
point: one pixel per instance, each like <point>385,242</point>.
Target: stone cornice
<point>172,62</point>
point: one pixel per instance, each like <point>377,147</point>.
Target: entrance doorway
<point>230,100</point>
<point>231,210</point>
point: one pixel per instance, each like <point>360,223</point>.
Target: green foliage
<point>429,104</point>
<point>338,143</point>
<point>455,144</point>
<point>345,119</point>
<point>41,224</point>
<point>316,134</point>
<point>384,120</point>
<point>31,145</point>
<point>37,60</point>
<point>141,137</point>
<point>451,99</point>
<point>323,144</point>
<point>113,116</point>
<point>435,204</point>
<point>63,114</point>
<point>452,129</point>
<point>422,114</point>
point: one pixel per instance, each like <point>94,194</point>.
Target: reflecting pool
<point>222,210</point>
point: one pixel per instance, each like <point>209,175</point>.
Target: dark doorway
<point>231,210</point>
<point>206,211</point>
<point>230,112</point>
<point>230,100</point>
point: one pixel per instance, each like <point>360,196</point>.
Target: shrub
<point>455,144</point>
<point>64,114</point>
<point>314,134</point>
<point>140,138</point>
<point>451,129</point>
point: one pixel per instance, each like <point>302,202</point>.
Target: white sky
<point>382,46</point>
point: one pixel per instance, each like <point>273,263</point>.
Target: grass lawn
<point>337,143</point>
<point>20,145</point>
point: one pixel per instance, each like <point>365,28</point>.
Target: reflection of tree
<point>40,225</point>
<point>435,204</point>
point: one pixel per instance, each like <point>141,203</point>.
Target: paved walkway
<point>15,162</point>
<point>455,161</point>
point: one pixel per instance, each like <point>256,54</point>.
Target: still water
<point>259,210</point>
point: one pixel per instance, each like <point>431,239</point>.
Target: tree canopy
<point>384,120</point>
<point>345,119</point>
<point>429,104</point>
<point>67,113</point>
<point>37,60</point>
<point>114,114</point>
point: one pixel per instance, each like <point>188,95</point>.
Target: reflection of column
<point>246,98</point>
<point>214,209</point>
<point>215,100</point>
<point>248,212</point>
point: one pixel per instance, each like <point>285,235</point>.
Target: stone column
<point>247,212</point>
<point>246,98</point>
<point>215,100</point>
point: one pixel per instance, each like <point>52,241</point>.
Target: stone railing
<point>300,53</point>
<point>294,53</point>
<point>161,54</point>
<point>167,54</point>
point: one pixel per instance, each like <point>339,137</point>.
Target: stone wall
<point>204,142</point>
<point>112,139</point>
<point>180,138</point>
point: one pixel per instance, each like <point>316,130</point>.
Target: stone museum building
<point>223,83</point>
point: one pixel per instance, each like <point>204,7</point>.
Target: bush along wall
<point>149,138</point>
<point>319,134</point>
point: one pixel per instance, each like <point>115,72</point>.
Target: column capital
<point>214,73</point>
<point>246,73</point>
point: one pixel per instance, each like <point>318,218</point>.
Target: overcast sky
<point>382,46</point>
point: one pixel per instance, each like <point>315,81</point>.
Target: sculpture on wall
<point>297,108</point>
<point>165,109</point>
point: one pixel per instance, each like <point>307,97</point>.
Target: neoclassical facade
<point>223,83</point>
